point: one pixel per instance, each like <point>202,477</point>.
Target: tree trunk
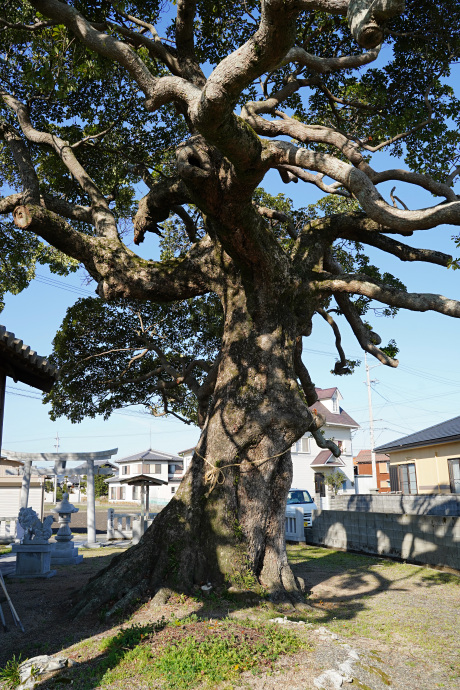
<point>225,525</point>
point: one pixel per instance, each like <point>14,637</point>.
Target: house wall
<point>304,475</point>
<point>10,497</point>
<point>430,465</point>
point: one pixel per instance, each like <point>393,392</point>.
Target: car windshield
<point>298,496</point>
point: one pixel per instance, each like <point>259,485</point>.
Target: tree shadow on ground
<point>357,577</point>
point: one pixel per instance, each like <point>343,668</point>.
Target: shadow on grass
<point>361,578</point>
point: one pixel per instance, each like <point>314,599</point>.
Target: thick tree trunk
<point>225,524</point>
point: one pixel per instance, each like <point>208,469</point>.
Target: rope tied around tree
<point>214,474</point>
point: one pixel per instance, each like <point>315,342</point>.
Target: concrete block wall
<point>427,539</point>
<point>422,504</point>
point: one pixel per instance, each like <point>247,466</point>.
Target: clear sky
<point>424,390</point>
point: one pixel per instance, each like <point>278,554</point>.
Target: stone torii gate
<point>60,461</point>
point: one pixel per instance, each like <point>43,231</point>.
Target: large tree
<point>201,100</point>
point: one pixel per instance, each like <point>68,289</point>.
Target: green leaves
<point>102,347</point>
<point>20,251</point>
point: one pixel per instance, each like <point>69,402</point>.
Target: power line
<point>52,282</point>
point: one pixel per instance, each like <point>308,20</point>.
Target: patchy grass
<point>413,608</point>
<point>181,654</point>
<point>4,550</point>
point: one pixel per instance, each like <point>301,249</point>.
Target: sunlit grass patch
<point>183,655</point>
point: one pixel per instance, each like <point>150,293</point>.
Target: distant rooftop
<point>151,455</point>
<point>439,433</point>
<point>365,457</point>
<point>340,418</point>
<point>23,364</point>
<point>325,393</point>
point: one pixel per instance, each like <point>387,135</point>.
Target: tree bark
<point>225,525</point>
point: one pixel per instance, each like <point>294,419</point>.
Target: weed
<point>9,674</point>
<point>220,658</point>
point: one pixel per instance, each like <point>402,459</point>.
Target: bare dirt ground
<point>401,620</point>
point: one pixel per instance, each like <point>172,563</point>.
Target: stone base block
<point>32,560</point>
<point>65,553</point>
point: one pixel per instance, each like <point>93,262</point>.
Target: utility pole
<point>371,421</point>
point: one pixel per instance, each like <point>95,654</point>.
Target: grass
<point>185,653</point>
<point>413,608</point>
<point>9,674</point>
<point>4,550</point>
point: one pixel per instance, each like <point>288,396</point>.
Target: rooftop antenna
<point>56,445</point>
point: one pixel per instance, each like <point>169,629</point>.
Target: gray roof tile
<point>439,433</point>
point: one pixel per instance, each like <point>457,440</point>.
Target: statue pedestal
<point>65,553</point>
<point>32,561</point>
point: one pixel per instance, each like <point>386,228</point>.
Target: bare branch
<point>364,232</point>
<point>363,285</point>
<point>359,184</point>
<point>277,215</point>
<point>327,65</point>
<point>157,204</point>
<point>21,155</point>
<point>27,27</point>
<point>303,375</point>
<point>190,227</point>
<point>341,367</point>
<point>185,41</point>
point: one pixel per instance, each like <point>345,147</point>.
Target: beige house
<point>427,462</point>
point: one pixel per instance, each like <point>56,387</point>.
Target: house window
<point>408,478</point>
<point>172,469</point>
<point>454,474</point>
<point>335,404</point>
<point>302,445</point>
<point>156,469</point>
<point>123,493</point>
<point>125,469</point>
<point>173,489</point>
<point>113,493</point>
<point>136,493</point>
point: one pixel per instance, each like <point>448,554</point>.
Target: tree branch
<point>359,184</point>
<point>327,65</point>
<point>341,367</point>
<point>156,206</point>
<point>361,284</point>
<point>303,375</point>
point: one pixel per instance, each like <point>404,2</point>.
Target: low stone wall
<point>427,539</point>
<point>423,504</point>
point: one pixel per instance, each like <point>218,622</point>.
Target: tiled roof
<point>323,458</point>
<point>151,455</point>
<point>364,456</point>
<point>325,393</point>
<point>439,433</point>
<point>23,364</point>
<point>341,418</point>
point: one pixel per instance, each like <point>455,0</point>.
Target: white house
<point>310,463</point>
<point>151,463</point>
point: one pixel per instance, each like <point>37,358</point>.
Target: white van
<point>300,498</point>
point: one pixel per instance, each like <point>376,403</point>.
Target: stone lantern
<point>64,551</point>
